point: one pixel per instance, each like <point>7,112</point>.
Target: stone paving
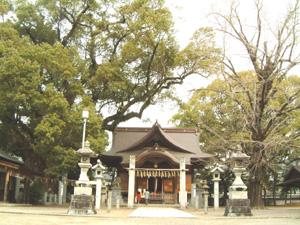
<point>46,215</point>
<point>157,212</point>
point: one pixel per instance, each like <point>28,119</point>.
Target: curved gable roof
<point>156,135</point>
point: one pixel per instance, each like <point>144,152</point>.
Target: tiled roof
<point>182,141</point>
<point>11,157</point>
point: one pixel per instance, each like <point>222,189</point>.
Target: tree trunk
<point>255,193</point>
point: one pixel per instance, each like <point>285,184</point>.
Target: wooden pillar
<point>6,181</point>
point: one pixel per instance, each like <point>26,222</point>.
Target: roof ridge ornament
<point>156,124</point>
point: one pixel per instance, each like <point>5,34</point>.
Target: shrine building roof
<point>177,141</point>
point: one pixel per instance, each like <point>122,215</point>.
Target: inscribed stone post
<point>182,192</point>
<point>131,181</point>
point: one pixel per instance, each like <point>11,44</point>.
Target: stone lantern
<point>98,168</point>
<point>82,201</point>
<point>238,202</point>
<point>205,195</point>
<point>85,154</point>
<point>216,172</point>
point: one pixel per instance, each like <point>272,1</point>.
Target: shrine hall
<point>158,160</point>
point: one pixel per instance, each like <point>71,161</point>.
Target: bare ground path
<point>46,215</point>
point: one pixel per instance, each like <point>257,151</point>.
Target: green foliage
<point>215,115</point>
<point>130,58</point>
<point>39,111</point>
<point>219,112</point>
<point>36,192</point>
<point>5,7</point>
<point>222,121</point>
<point>114,57</point>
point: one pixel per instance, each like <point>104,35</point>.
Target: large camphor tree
<point>258,108</point>
<point>115,57</point>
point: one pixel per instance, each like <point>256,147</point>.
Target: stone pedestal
<point>82,205</point>
<point>233,194</point>
<point>238,207</point>
<point>83,190</point>
<point>116,196</point>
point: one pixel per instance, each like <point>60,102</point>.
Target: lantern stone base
<point>83,190</point>
<point>238,207</point>
<point>82,205</point>
<point>238,194</point>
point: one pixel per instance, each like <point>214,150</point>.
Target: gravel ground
<point>46,215</point>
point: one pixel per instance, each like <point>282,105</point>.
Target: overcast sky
<point>188,16</point>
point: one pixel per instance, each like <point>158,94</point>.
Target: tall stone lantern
<point>82,201</point>
<point>238,203</point>
<point>98,168</point>
<point>82,185</point>
<point>216,173</point>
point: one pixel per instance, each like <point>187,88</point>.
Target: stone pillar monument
<point>65,185</point>
<point>194,202</point>
<point>131,181</point>
<point>45,197</point>
<point>216,172</point>
<point>182,191</point>
<point>98,176</point>
<point>82,201</point>
<point>17,189</point>
<point>62,190</point>
<point>6,182</point>
<point>238,203</point>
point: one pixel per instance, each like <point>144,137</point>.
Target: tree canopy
<point>130,57</point>
<point>258,109</point>
<point>114,57</point>
<point>40,120</point>
<point>223,125</point>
